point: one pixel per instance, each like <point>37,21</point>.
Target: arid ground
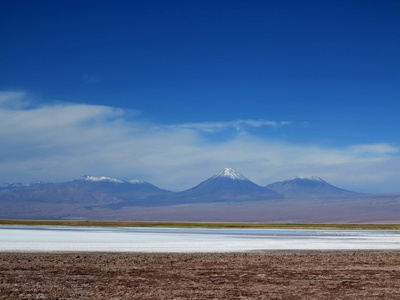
<point>251,275</point>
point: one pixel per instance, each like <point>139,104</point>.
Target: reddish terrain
<point>252,275</point>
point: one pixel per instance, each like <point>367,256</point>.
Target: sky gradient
<point>173,91</point>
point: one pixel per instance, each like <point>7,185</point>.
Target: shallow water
<point>116,239</point>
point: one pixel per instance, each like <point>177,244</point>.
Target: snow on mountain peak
<point>101,178</point>
<point>313,178</point>
<point>7,185</point>
<point>230,173</point>
<point>134,181</point>
<point>109,179</point>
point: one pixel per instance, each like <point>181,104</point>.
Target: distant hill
<point>112,185</point>
<point>300,186</point>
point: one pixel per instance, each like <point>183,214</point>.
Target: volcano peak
<point>230,173</point>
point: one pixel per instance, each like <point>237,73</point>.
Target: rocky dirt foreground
<point>255,275</point>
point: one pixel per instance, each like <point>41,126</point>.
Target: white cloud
<point>63,141</point>
<point>13,99</point>
<point>237,125</point>
<point>375,149</point>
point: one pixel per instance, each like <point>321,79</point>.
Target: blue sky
<point>173,91</point>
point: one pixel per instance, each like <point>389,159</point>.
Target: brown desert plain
<point>249,275</point>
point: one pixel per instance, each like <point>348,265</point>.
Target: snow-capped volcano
<point>306,185</point>
<point>228,180</point>
<point>228,184</point>
<point>230,173</point>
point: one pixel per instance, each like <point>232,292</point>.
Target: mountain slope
<point>300,186</point>
<point>227,185</point>
<point>112,185</point>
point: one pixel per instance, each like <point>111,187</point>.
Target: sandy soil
<point>256,275</point>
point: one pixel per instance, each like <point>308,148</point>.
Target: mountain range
<point>227,191</point>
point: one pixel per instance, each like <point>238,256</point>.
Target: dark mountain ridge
<point>227,185</point>
<point>223,187</point>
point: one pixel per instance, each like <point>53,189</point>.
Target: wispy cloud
<point>375,149</point>
<point>63,141</point>
<point>13,99</point>
<point>237,125</point>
